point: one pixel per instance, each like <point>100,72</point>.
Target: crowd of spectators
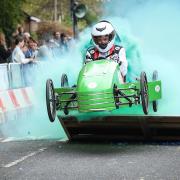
<point>25,49</point>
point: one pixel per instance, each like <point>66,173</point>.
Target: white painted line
<point>1,139</point>
<point>24,157</point>
<point>7,139</point>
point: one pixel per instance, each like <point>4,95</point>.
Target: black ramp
<point>125,127</point>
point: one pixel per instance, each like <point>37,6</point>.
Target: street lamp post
<point>55,10</point>
<point>78,11</point>
<point>74,18</point>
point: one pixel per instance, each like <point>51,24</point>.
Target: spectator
<point>49,50</point>
<point>4,52</point>
<point>25,49</point>
<point>35,48</point>
<point>56,38</point>
<point>17,54</point>
<point>26,36</point>
<point>64,42</point>
<point>20,31</point>
<point>32,49</point>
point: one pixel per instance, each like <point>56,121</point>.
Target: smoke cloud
<point>155,26</point>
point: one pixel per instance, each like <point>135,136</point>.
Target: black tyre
<point>144,92</point>
<point>155,103</point>
<point>50,100</point>
<point>64,81</point>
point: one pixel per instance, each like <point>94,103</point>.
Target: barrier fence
<point>16,92</point>
<point>16,75</point>
<point>4,77</point>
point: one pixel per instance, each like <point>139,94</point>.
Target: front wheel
<point>144,92</point>
<point>50,100</point>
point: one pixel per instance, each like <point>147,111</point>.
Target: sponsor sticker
<point>92,85</point>
<point>157,88</point>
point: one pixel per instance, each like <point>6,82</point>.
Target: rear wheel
<point>50,100</point>
<point>144,92</point>
<point>155,103</point>
<point>64,81</point>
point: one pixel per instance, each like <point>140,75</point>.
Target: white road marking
<point>141,178</point>
<point>24,157</point>
<point>7,139</point>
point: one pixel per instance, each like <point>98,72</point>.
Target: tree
<point>44,9</point>
<point>10,16</point>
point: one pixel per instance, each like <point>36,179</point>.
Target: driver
<point>104,47</point>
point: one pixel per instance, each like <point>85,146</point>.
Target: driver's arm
<point>123,62</point>
<point>88,57</point>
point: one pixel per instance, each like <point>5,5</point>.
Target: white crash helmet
<point>103,28</point>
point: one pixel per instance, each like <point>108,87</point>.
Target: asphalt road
<point>84,160</point>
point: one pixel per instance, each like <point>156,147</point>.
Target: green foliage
<point>88,20</point>
<point>10,16</point>
<point>44,9</point>
<point>12,13</point>
<point>67,21</point>
<point>91,17</point>
<point>34,35</point>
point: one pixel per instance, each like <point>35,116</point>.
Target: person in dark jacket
<point>4,52</point>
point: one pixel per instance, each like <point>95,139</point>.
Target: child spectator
<point>32,49</point>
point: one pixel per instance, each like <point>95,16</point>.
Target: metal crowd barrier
<point>16,79</point>
<point>29,73</point>
<point>4,78</point>
<point>16,75</point>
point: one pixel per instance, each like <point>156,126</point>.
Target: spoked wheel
<point>64,81</point>
<point>50,100</point>
<point>144,92</point>
<point>155,103</point>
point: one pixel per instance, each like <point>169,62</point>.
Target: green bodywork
<point>95,88</point>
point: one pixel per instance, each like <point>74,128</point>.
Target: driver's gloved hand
<point>120,62</point>
<point>87,60</point>
<point>124,78</point>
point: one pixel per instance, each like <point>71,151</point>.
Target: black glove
<point>120,62</point>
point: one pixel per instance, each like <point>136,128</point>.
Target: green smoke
<point>155,26</point>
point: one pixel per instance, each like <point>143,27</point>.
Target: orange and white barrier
<point>15,99</point>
